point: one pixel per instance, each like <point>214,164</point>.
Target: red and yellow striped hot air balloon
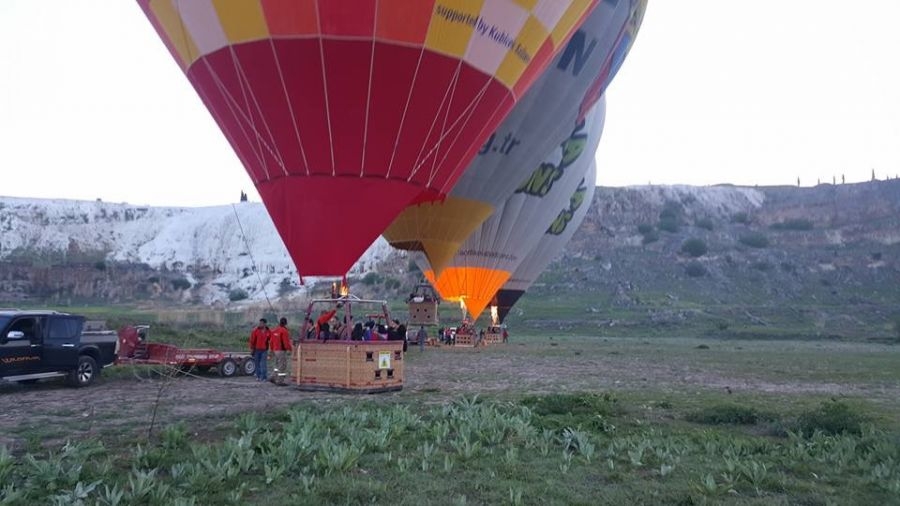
<point>344,112</point>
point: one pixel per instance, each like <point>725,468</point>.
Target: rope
<point>170,372</point>
<point>252,261</point>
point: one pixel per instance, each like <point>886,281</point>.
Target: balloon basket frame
<point>363,367</point>
<point>346,366</point>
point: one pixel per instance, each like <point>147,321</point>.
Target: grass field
<point>544,419</point>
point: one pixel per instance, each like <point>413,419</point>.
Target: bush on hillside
<point>371,278</point>
<point>754,240</point>
<point>181,284</point>
<point>645,228</point>
<point>237,294</point>
<point>668,225</point>
<point>694,247</point>
<point>740,218</point>
<point>704,223</point>
<point>651,236</point>
<point>695,269</point>
<point>793,224</point>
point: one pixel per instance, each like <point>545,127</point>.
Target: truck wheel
<point>248,366</point>
<point>227,368</point>
<point>85,372</point>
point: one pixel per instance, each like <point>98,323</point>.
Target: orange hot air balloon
<point>345,111</point>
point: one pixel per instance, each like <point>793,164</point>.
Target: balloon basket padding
<point>465,340</point>
<point>423,313</point>
<point>348,366</point>
<point>491,338</point>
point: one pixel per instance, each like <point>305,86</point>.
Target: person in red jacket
<point>259,346</point>
<point>280,344</point>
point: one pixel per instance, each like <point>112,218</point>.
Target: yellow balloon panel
<point>437,228</point>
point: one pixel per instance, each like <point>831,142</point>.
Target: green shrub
<point>391,283</point>
<point>762,266</point>
<point>100,265</point>
<point>651,236</point>
<point>694,247</point>
<point>741,217</point>
<point>754,240</point>
<point>834,417</point>
<point>237,294</point>
<point>671,210</point>
<point>668,225</point>
<point>725,414</point>
<point>793,224</point>
<point>181,284</point>
<point>581,409</point>
<point>371,278</point>
<point>645,228</point>
<point>704,223</point>
<point>695,269</point>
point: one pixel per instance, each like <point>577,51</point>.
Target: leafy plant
<point>832,417</point>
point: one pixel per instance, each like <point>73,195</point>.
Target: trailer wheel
<point>248,366</point>
<point>227,368</point>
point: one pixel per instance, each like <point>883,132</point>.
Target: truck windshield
<point>4,320</point>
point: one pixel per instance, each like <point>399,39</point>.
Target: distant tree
<point>694,247</point>
<point>645,228</point>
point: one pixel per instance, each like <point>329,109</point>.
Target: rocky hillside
<point>65,251</point>
<point>768,260</point>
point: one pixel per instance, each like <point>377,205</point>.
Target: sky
<point>713,91</point>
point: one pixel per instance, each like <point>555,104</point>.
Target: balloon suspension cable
<point>252,261</point>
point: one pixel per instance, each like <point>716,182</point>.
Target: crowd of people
<point>276,344</point>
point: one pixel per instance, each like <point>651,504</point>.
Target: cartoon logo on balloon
<point>541,181</point>
<point>565,216</point>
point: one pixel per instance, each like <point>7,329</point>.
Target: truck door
<point>20,347</point>
<point>62,342</point>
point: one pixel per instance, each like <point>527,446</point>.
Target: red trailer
<point>135,349</point>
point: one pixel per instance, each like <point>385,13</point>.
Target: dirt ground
<point>125,400</point>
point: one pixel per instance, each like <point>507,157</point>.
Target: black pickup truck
<point>46,344</point>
